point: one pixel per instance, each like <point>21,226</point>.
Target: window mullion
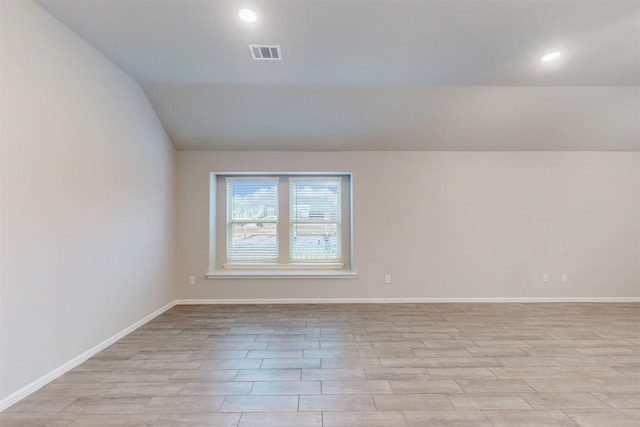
<point>283,221</point>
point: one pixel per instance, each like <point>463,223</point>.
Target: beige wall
<point>87,198</point>
<point>447,224</point>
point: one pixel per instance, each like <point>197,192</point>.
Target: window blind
<point>315,219</point>
<point>252,220</point>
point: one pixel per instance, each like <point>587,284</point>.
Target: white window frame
<point>218,268</point>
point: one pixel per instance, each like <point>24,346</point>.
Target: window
<point>252,220</point>
<point>315,220</point>
<point>281,222</point>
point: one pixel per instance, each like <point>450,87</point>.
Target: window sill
<point>281,274</point>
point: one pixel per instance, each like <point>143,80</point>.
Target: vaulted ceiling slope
<point>379,75</point>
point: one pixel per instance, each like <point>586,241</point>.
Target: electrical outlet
<point>565,278</point>
<point>387,279</point>
<point>545,278</point>
<point>192,280</point>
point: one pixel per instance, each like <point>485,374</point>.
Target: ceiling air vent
<point>261,52</point>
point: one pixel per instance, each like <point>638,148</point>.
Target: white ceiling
<point>382,75</point>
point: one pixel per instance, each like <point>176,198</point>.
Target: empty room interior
<point>320,213</point>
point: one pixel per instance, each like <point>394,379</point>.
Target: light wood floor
<point>358,365</point>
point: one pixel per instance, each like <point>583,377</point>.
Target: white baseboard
<point>46,379</point>
<point>402,300</point>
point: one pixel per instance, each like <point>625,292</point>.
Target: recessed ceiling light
<point>551,56</point>
<point>248,15</point>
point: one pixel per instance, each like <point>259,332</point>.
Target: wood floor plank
<point>323,365</point>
